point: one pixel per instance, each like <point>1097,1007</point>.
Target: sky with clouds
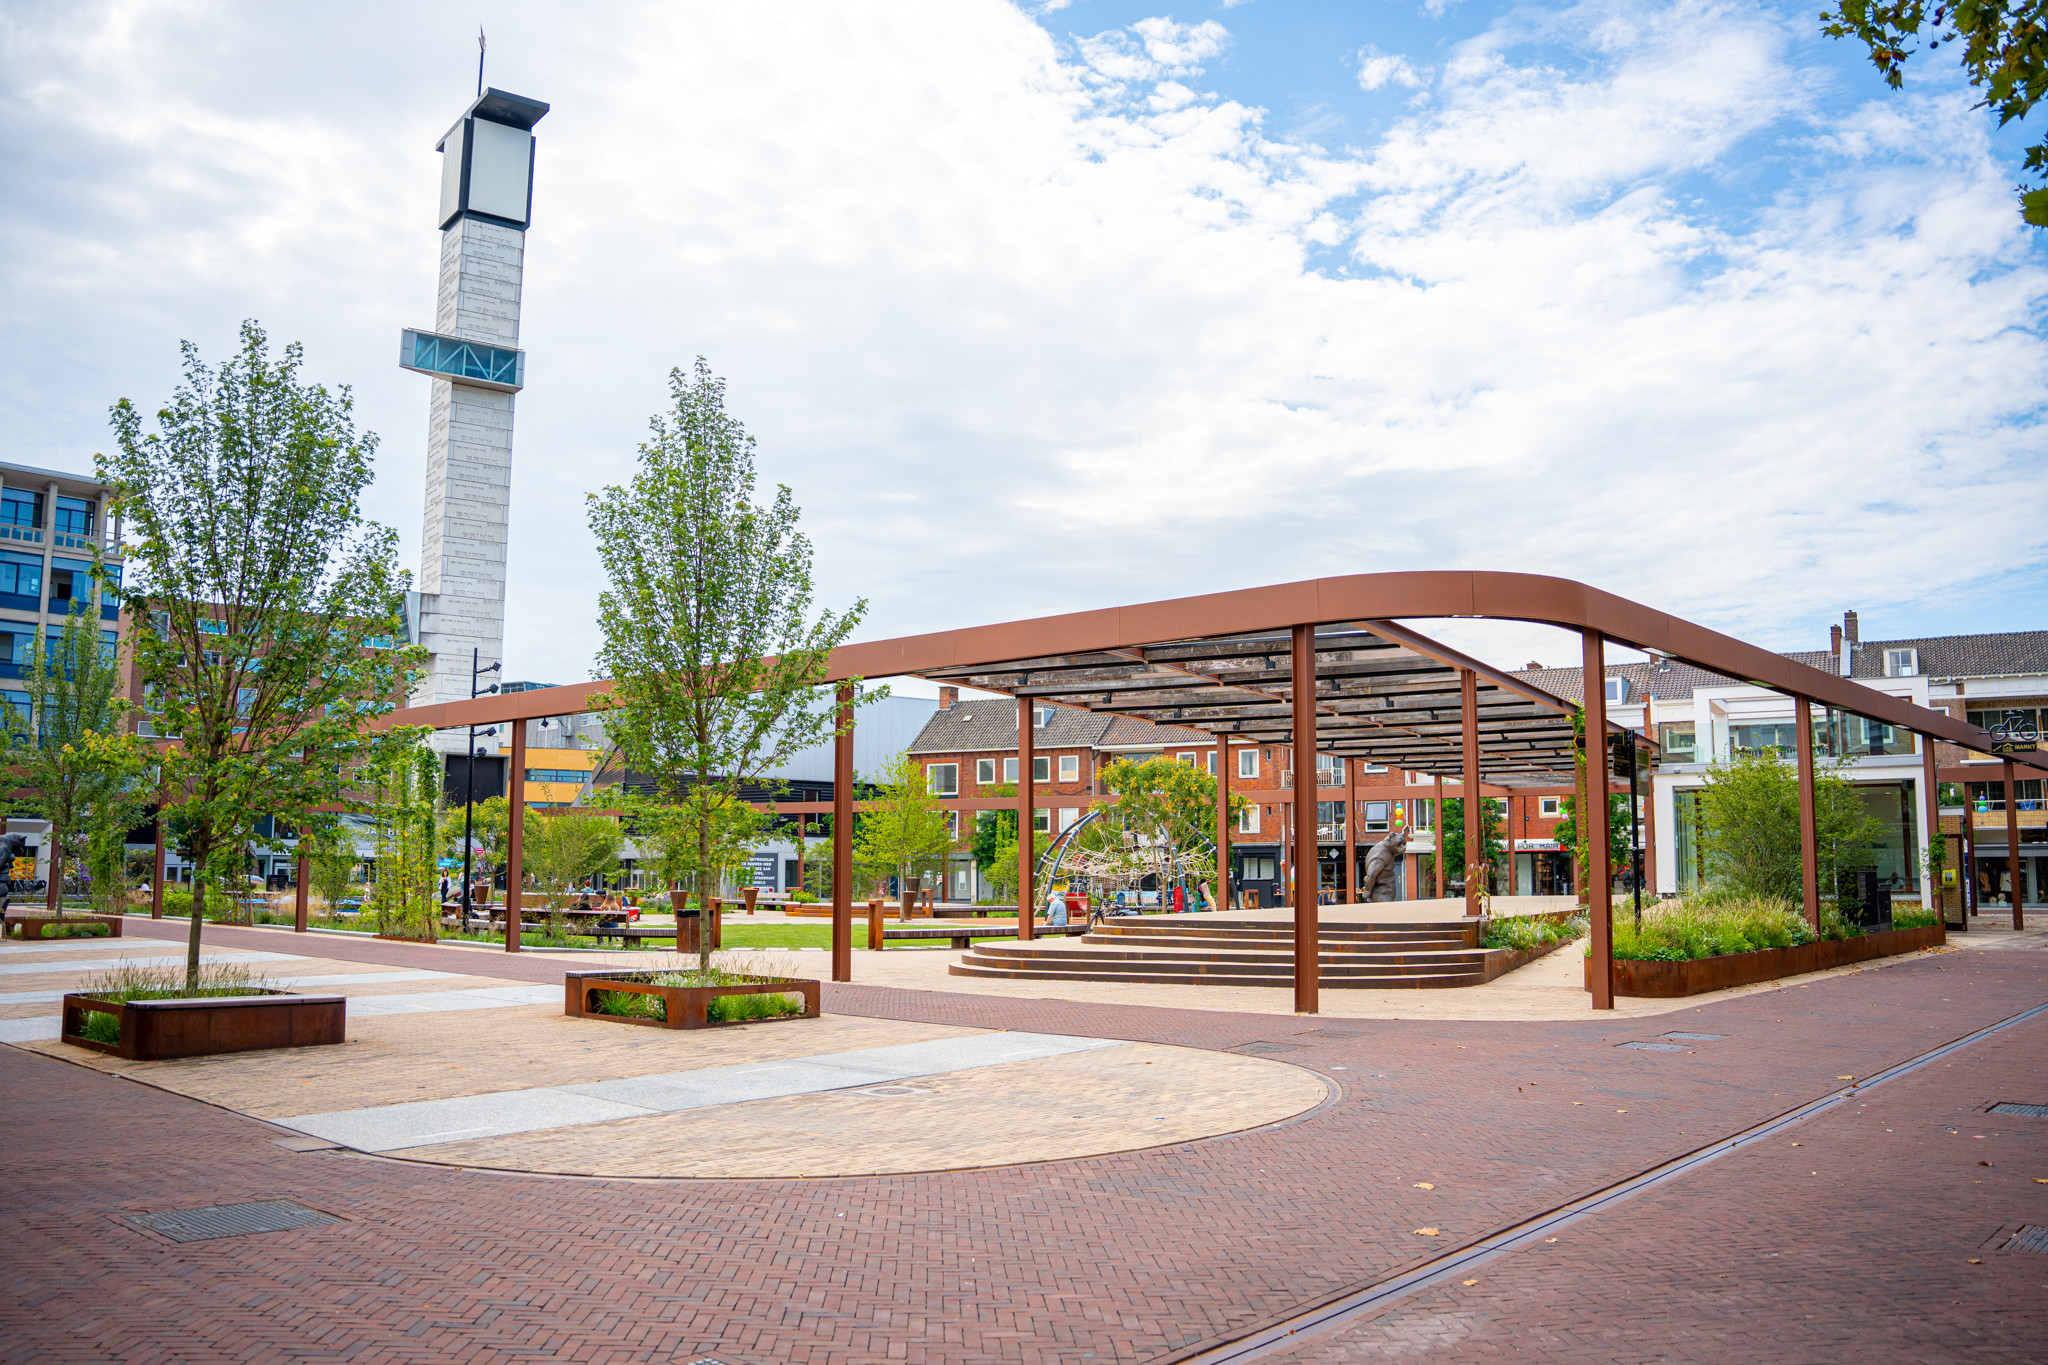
<point>1040,308</point>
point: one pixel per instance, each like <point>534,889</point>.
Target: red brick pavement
<point>1879,1238</point>
<point>1132,1257</point>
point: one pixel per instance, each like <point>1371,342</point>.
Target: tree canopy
<point>266,614</point>
<point>2004,53</point>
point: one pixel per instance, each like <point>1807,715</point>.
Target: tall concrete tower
<point>473,356</point>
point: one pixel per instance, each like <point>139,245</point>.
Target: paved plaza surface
<point>1028,1211</point>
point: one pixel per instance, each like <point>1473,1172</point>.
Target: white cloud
<point>1032,327</point>
<point>1377,70</point>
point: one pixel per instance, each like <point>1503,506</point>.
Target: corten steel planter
<point>686,1005</point>
<point>1669,980</point>
<point>25,926</point>
<point>152,1030</point>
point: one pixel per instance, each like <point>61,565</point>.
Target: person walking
<point>1056,909</point>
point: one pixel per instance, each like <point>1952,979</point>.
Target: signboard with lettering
<point>760,871</point>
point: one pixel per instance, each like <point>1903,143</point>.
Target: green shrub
<point>139,981</point>
<point>1524,932</point>
<point>722,1009</point>
<point>630,1004</point>
<point>101,1028</point>
<point>1914,919</point>
<point>1712,924</point>
<point>803,898</point>
<point>725,1009</point>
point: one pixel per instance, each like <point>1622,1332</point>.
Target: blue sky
<point>1040,308</point>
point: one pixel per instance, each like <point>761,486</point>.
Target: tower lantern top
<point>487,161</point>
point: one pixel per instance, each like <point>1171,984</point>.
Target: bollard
<point>717,924</point>
<point>875,924</point>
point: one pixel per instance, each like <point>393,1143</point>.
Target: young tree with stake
<point>263,606</point>
<point>710,641</point>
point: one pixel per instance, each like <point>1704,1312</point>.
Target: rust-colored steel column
<point>1930,805</point>
<point>1475,805</point>
<point>156,886</point>
<point>1809,836</point>
<point>1223,761</point>
<point>842,839</point>
<point>1437,838</point>
<point>1027,815</point>
<point>1307,963</point>
<point>1351,831</point>
<point>1599,877</point>
<point>1508,838</point>
<point>299,905</point>
<point>2012,845</point>
<point>515,836</point>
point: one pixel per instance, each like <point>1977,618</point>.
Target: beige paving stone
<point>397,1058</point>
<point>1054,1108</point>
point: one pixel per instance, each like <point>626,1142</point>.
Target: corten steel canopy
<point>1226,663</point>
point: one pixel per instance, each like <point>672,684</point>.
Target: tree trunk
<point>192,938</point>
<point>56,889</point>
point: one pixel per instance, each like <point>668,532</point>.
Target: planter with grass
<point>38,924</point>
<point>1690,949</point>
<point>687,999</point>
<point>145,1014</point>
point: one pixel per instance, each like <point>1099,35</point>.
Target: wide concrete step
<point>1281,961</point>
<point>1370,981</point>
<point>1227,942</point>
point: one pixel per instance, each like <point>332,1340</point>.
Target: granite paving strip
<point>388,1128</point>
<point>99,964</point>
<point>1060,1108</point>
<point>291,982</point>
<point>399,1058</point>
<point>430,1002</point>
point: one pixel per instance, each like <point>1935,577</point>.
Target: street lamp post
<point>469,755</point>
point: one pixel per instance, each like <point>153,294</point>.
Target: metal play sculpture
<point>1380,866</point>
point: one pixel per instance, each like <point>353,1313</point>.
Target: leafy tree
<point>2004,52</point>
<point>1453,834</point>
<point>709,638</point>
<point>74,760</point>
<point>994,831</point>
<point>906,834</point>
<point>566,848</point>
<point>1751,813</point>
<point>263,605</point>
<point>331,860</point>
<point>1159,820</point>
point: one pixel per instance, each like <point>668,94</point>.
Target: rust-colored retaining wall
<point>687,1006</point>
<point>155,1029</point>
<point>31,926</point>
<point>1669,980</point>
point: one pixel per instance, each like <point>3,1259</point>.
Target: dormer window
<point>1617,691</point>
<point>1041,715</point>
<point>1902,663</point>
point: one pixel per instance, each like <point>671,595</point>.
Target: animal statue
<point>1381,865</point>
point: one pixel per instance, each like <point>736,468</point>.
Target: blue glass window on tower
<point>21,581</point>
<point>110,593</point>
<point>70,585</point>
<point>465,359</point>
<point>17,647</point>
<point>20,507</point>
<point>74,517</point>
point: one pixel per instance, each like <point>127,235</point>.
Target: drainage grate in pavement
<point>1695,1037</point>
<point>1656,1047</point>
<point>2032,1111</point>
<point>1267,1047</point>
<point>231,1220</point>
<point>2031,1237</point>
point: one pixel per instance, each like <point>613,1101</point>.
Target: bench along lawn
<point>1706,943</point>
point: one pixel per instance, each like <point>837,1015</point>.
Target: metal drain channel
<point>1348,1307</point>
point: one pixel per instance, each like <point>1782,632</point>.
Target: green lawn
<point>740,934</point>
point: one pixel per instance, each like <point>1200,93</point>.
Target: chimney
<point>1834,641</point>
<point>1535,667</point>
<point>949,697</point>
<point>1849,629</point>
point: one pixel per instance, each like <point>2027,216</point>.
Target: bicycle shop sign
<point>2015,733</point>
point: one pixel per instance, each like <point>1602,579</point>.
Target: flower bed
<point>687,999</point>
<point>1664,980</point>
<point>38,924</point>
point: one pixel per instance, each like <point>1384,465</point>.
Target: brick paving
<point>1133,1257</point>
